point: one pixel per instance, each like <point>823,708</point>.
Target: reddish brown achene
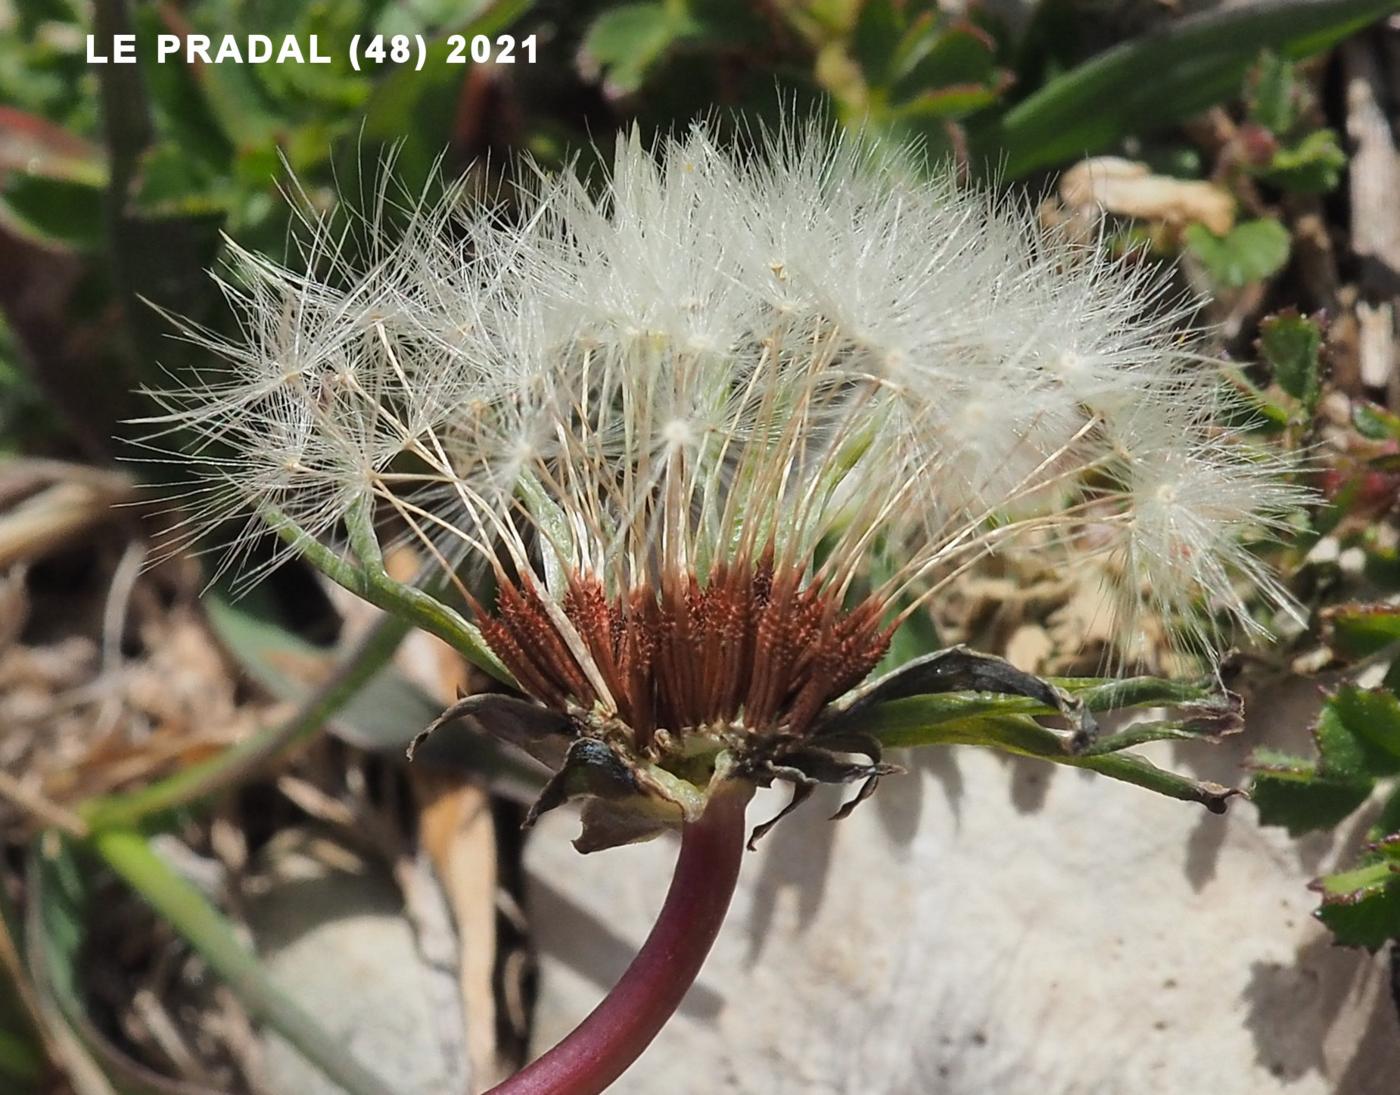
<point>753,646</point>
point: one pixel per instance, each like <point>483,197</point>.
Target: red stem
<point>616,1032</point>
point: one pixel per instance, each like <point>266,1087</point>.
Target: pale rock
<point>994,925</point>
<point>339,944</point>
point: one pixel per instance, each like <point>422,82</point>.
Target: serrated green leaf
<point>1312,166</point>
<point>1358,631</point>
<point>1372,717</point>
<point>1292,345</point>
<point>1371,922</point>
<point>1362,906</point>
<point>1249,252</point>
<point>1300,801</point>
<point>1358,734</point>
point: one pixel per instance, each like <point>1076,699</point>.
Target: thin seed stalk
<point>358,667</point>
<point>616,1032</point>
<point>188,911</point>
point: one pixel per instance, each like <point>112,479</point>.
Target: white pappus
<point>680,411</point>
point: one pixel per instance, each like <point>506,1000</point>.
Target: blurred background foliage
<point>1213,137</point>
<point>132,172</point>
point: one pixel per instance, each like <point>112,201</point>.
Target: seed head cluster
<point>722,418</point>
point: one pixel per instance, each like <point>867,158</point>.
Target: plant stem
<point>358,666</point>
<point>616,1032</point>
<point>371,582</point>
<point>190,914</point>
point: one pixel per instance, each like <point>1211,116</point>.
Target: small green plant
<point>1356,758</point>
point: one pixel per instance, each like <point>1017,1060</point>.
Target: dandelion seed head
<point>687,407</point>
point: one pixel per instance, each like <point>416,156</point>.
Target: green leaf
<point>1374,422</point>
<point>1371,921</point>
<point>1292,345</point>
<point>1271,98</point>
<point>926,67</point>
<point>883,44</point>
<point>1358,631</point>
<point>1358,740</point>
<point>420,16</point>
<point>181,96</point>
<point>1251,251</point>
<point>1387,822</point>
<point>1312,166</point>
<point>954,101</point>
<point>1288,792</point>
<point>959,54</point>
<point>173,184</point>
<point>1362,906</point>
<point>1163,77</point>
<point>53,210</point>
<point>415,110</point>
<point>1004,723</point>
<point>1097,694</point>
<point>211,108</point>
<point>625,42</point>
<point>1358,733</point>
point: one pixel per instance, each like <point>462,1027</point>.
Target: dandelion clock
<point>688,443</point>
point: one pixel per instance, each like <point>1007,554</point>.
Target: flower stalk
<point>616,1032</point>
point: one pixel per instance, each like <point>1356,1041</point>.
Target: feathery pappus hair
<point>719,422</point>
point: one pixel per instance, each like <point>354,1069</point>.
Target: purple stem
<point>616,1032</point>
